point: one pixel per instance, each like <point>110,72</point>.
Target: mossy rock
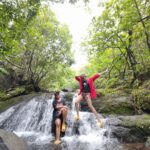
<point>15,100</point>
<point>141,99</point>
<point>132,129</point>
<point>113,101</point>
<point>115,91</point>
<point>12,93</point>
<point>147,144</point>
<point>139,125</point>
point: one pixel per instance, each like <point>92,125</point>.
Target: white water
<point>32,121</point>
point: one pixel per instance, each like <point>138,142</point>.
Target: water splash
<point>32,121</point>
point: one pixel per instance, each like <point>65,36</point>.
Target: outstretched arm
<point>94,77</point>
<point>103,72</point>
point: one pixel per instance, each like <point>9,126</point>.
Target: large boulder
<point>10,141</point>
<point>113,102</point>
<point>12,93</point>
<point>147,144</point>
<point>131,129</point>
<point>18,99</point>
<point>141,100</point>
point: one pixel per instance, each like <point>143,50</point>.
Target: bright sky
<point>78,17</point>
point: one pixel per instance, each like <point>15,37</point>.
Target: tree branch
<point>13,63</point>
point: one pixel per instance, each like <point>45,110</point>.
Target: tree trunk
<point>143,24</point>
<point>131,57</point>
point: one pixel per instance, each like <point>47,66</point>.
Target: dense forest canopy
<point>119,39</point>
<point>36,47</point>
<point>34,44</point>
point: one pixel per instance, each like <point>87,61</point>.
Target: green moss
<point>118,109</point>
<point>6,104</point>
<point>141,122</point>
<point>138,125</point>
<point>114,91</point>
<point>141,99</point>
<point>148,142</point>
<point>15,100</point>
<point>14,92</point>
<point>2,94</point>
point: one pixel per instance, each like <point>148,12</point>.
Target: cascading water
<point>32,121</point>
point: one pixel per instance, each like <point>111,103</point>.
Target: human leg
<point>58,125</point>
<point>77,106</point>
<point>90,105</point>
<point>64,115</point>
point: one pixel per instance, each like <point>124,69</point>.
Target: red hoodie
<point>91,84</point>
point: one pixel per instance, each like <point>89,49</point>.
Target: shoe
<point>63,129</point>
<point>100,124</point>
<point>77,118</point>
<point>56,142</point>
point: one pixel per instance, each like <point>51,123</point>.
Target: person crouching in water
<point>87,92</point>
<point>59,117</point>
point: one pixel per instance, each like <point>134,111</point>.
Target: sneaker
<point>77,118</point>
<point>100,123</point>
<point>56,142</point>
<point>63,129</point>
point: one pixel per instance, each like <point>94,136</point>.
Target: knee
<point>90,106</point>
<point>58,123</point>
<point>77,101</point>
<point>64,110</point>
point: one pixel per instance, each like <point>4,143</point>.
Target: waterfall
<point>32,121</point>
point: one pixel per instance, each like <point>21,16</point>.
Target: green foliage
<point>34,44</point>
<point>3,71</point>
<point>15,16</point>
<point>119,40</point>
<point>15,92</point>
<point>141,99</point>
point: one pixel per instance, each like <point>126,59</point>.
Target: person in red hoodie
<point>87,92</point>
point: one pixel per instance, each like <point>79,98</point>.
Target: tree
<point>15,17</point>
<point>120,29</point>
<point>41,50</point>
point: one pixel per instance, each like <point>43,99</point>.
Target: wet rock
<point>134,146</point>
<point>114,104</point>
<point>9,141</point>
<point>3,145</point>
<point>68,96</point>
<point>4,105</point>
<point>147,144</point>
<point>12,93</point>
<point>131,128</point>
<point>141,100</point>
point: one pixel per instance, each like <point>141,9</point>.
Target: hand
<point>65,107</point>
<point>104,71</point>
<point>107,70</point>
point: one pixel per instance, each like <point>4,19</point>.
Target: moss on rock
<point>15,100</point>
<point>113,101</point>
<point>12,93</point>
<point>138,124</point>
<point>147,144</point>
<point>141,99</point>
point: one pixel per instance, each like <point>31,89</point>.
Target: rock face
<point>134,146</point>
<point>111,104</point>
<point>9,141</point>
<point>147,144</point>
<point>120,102</point>
<point>15,100</point>
<point>131,129</point>
<point>114,104</point>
